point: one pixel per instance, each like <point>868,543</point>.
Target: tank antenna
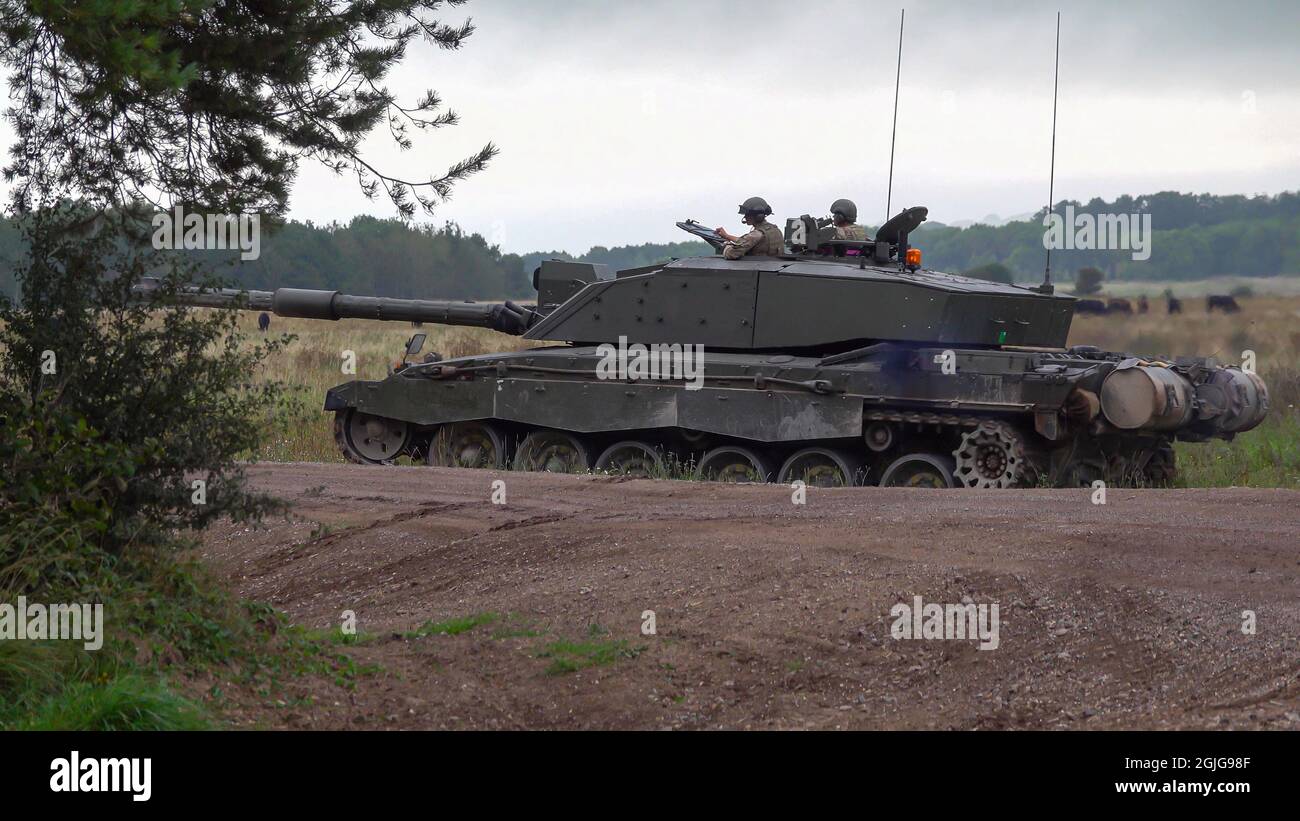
<point>1046,287</point>
<point>898,76</point>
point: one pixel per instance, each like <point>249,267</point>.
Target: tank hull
<point>1037,411</point>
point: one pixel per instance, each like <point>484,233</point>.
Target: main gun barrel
<point>303,303</point>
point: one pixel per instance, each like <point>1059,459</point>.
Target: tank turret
<point>826,297</point>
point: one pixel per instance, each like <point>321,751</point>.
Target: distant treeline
<point>367,256</point>
<point>626,256</point>
<point>1195,236</point>
<point>384,257</point>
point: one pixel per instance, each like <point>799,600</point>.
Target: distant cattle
<point>1174,305</point>
<point>1143,305</point>
<point>1119,306</point>
<point>1090,306</point>
<point>263,322</point>
<point>1223,302</point>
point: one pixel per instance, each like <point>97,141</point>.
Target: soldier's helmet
<point>755,205</point>
<point>845,209</point>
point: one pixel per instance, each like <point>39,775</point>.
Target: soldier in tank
<point>764,240</point>
<point>844,215</point>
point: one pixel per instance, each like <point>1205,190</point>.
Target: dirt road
<point>769,614</point>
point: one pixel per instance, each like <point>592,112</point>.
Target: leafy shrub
<point>114,403</point>
<point>1088,281</point>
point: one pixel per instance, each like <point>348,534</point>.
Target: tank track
<point>932,449</point>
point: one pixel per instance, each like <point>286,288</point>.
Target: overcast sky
<point>615,119</point>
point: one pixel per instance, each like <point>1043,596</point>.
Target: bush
<point>111,405</point>
<point>115,404</point>
<point>59,482</point>
<point>1088,281</point>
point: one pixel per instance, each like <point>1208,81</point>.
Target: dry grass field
<point>313,364</point>
<point>1268,324</point>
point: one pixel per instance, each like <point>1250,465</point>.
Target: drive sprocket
<point>991,456</point>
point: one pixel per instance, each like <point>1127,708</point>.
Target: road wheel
<point>369,440</point>
<point>879,436</point>
<point>731,463</point>
<point>821,467</point>
<point>552,451</point>
<point>991,456</point>
<point>468,445</point>
<point>631,458</point>
<point>919,470</point>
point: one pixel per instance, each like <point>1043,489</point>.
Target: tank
<point>837,363</point>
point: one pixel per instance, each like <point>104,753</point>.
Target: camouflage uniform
<point>851,232</point>
<point>765,240</point>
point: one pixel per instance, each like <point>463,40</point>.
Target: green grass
<point>32,666</point>
<point>167,622</point>
<point>57,685</point>
<point>572,656</point>
<point>293,652</point>
<point>127,702</point>
<point>565,656</point>
<point>516,627</point>
<point>1268,456</point>
<point>336,636</point>
<point>452,627</point>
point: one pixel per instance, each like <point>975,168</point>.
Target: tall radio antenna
<point>1046,287</point>
<point>898,76</point>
